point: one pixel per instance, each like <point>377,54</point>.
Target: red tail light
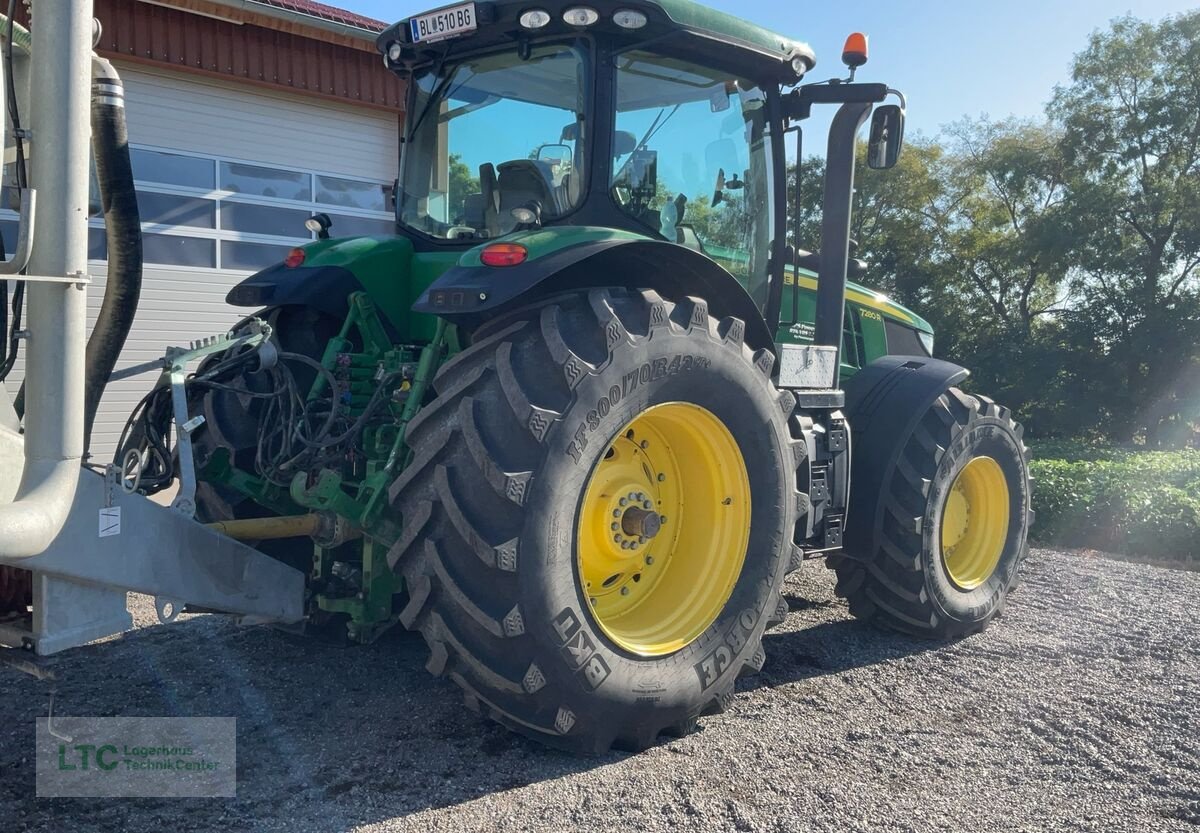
<point>504,254</point>
<point>294,258</point>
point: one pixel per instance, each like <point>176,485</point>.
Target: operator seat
<point>523,180</point>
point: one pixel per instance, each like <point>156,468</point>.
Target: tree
<point>1131,121</point>
<point>461,184</point>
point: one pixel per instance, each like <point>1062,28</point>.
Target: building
<point>245,117</point>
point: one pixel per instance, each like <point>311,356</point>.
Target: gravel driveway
<point>1079,710</point>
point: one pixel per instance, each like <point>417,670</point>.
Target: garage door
<point>226,177</point>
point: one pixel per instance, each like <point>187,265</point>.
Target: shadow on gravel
<point>328,737</point>
<point>829,648</point>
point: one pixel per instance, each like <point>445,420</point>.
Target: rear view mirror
<point>887,136</point>
<point>554,153</point>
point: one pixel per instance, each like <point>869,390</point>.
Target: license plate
<point>442,24</point>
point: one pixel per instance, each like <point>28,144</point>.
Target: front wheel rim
<point>663,529</point>
<point>975,523</point>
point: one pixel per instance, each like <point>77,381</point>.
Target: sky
<point>951,59</point>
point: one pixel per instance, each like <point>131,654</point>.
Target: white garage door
<point>226,177</point>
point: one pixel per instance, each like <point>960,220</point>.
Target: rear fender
<point>326,288</point>
<point>470,293</point>
<point>884,402</point>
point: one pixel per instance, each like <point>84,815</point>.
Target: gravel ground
<point>1079,710</point>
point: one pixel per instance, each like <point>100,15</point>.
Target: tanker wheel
<point>955,522</point>
<point>599,517</point>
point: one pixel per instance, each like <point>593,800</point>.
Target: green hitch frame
<point>359,502</point>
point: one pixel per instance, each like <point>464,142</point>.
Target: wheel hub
<point>643,523</point>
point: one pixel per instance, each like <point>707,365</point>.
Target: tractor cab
<point>664,120</point>
<point>660,119</point>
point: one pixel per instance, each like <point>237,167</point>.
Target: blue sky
<point>950,58</point>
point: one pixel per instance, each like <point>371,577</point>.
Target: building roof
<point>324,12</point>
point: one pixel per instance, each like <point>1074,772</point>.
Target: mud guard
<point>884,402</point>
<point>325,288</point>
<point>468,295</point>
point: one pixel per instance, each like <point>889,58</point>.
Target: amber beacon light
<point>854,53</point>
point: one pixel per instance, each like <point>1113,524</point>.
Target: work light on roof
<point>580,16</point>
<point>535,18</point>
<point>629,19</point>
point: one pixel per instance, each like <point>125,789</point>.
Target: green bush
<point>1123,500</point>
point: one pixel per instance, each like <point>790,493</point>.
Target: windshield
<point>492,134</point>
<point>692,161</point>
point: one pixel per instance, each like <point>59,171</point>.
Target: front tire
<point>956,518</point>
<point>557,417</point>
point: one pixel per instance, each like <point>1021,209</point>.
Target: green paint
<point>391,272</point>
<point>731,28</point>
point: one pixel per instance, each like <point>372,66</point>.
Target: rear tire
<point>491,508</point>
<point>914,583</point>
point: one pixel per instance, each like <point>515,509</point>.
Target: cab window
<point>692,161</point>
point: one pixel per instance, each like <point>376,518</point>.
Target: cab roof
<point>711,37</point>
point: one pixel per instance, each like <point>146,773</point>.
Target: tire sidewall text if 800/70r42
<point>491,503</point>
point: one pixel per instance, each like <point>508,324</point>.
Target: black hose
<point>123,225</point>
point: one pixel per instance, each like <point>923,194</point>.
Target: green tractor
<point>577,420</point>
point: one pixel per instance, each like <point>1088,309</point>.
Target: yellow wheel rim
<point>975,523</point>
<point>663,529</point>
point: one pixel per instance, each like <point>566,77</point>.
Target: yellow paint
<point>653,595</point>
<point>975,523</point>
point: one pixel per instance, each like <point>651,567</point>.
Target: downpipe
<point>59,120</point>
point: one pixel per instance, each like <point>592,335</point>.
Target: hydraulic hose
<point>123,225</point>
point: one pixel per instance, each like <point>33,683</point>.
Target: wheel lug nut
<point>662,519</point>
<point>649,560</point>
<point>623,501</point>
<point>617,538</point>
<point>616,513</point>
<point>614,526</point>
<point>647,505</point>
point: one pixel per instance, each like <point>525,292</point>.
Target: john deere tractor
<point>580,416</point>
